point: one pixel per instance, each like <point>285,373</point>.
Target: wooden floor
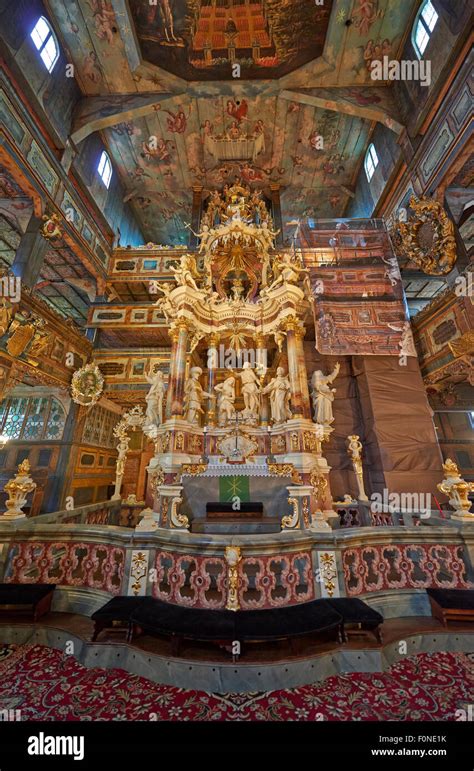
<point>394,629</point>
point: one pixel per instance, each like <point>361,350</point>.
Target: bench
<point>226,626</point>
<point>26,598</point>
<point>452,604</point>
<point>357,617</point>
<point>136,615</point>
<point>115,616</point>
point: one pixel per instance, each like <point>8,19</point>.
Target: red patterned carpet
<point>46,684</point>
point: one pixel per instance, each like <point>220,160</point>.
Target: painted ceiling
<point>164,100</point>
<point>201,40</point>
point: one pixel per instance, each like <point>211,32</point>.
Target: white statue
<point>165,303</point>
<point>204,235</point>
<point>287,271</point>
<point>250,390</point>
<point>354,451</point>
<point>323,395</point>
<point>279,389</point>
<point>194,394</point>
<point>406,342</point>
<point>267,235</point>
<point>226,399</point>
<point>184,275</point>
<point>154,399</point>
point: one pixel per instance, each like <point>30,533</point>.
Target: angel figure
<point>165,304</point>
<point>287,271</point>
<point>184,274</point>
<point>204,236</point>
<point>406,343</point>
<point>267,235</point>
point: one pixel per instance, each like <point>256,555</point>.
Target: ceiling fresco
<point>311,80</point>
<point>163,155</point>
<point>120,47</point>
<point>202,39</point>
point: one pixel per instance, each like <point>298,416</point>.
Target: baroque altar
<point>238,388</point>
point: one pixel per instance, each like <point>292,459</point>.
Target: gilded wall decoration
<point>137,581</point>
<point>87,385</point>
<point>427,239</point>
<point>327,573</point>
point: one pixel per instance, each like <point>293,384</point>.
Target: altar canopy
<point>356,285</point>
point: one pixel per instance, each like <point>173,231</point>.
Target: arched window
<point>45,42</point>
<point>423,27</point>
<point>32,418</point>
<point>105,169</point>
<point>371,161</point>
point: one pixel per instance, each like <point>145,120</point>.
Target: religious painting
<point>204,39</point>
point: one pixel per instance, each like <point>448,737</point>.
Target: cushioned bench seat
<point>33,598</point>
<point>452,604</point>
<point>115,615</point>
<point>292,621</point>
<point>224,626</point>
<point>146,614</point>
<point>357,616</point>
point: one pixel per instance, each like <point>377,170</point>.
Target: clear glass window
<point>423,27</point>
<point>105,169</point>
<point>371,161</point>
<point>45,43</point>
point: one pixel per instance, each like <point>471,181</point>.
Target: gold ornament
<point>232,557</point>
<point>18,489</point>
<point>463,346</point>
<point>51,228</point>
<point>87,385</point>
<point>285,470</point>
<point>428,240</point>
<point>193,468</point>
<point>319,483</point>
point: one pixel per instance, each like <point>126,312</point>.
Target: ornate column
<point>261,361</point>
<point>175,399</point>
<point>212,362</point>
<point>292,327</point>
<point>304,389</point>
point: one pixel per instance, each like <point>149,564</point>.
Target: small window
<point>105,169</point>
<point>471,419</point>
<point>423,27</point>
<point>44,39</point>
<point>371,162</point>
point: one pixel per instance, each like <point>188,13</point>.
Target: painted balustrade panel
<point>189,579</point>
<point>411,566</point>
<point>264,581</point>
<point>275,581</point>
<point>98,566</point>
